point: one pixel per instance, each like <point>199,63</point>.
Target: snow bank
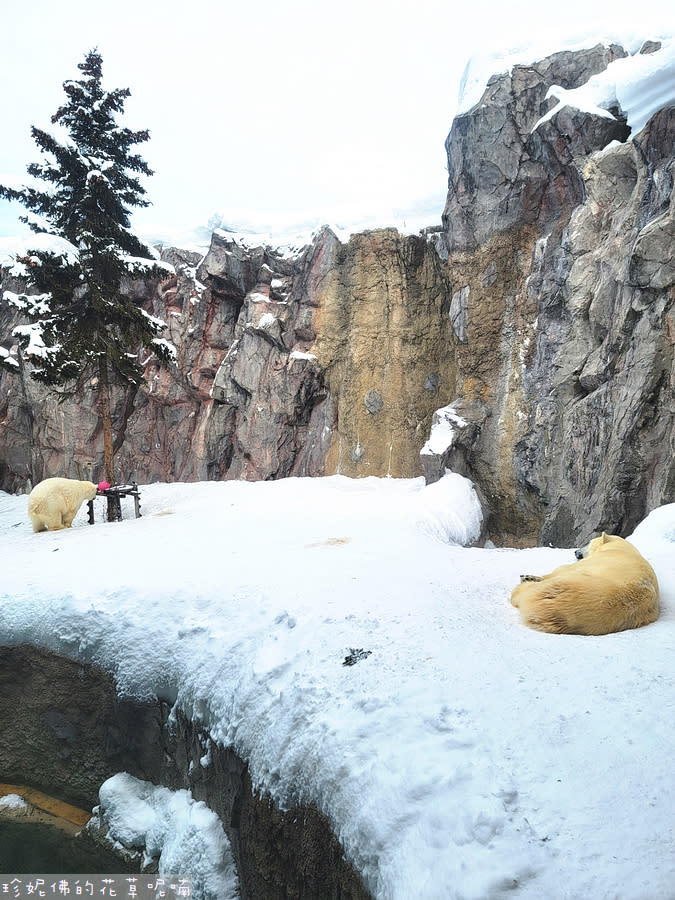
<point>183,834</point>
<point>465,757</point>
<point>450,510</point>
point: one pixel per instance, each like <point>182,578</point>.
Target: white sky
<point>276,111</point>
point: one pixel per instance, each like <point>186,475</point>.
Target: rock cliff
<point>541,312</point>
<point>563,289</point>
<point>331,361</point>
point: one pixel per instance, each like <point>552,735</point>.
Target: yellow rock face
<point>381,316</point>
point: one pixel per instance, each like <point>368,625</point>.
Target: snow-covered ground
<point>465,757</point>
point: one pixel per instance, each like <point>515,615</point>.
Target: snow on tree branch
<point>31,304</point>
<point>164,349</point>
<point>7,360</point>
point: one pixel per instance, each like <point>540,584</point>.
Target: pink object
<point>103,486</point>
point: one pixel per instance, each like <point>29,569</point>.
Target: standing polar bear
<point>611,588</point>
<point>54,502</point>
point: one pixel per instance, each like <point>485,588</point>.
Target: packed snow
<point>182,833</point>
<point>13,801</point>
<point>461,756</point>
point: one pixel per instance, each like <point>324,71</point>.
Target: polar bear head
<point>597,544</point>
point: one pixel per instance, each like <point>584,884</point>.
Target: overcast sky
<point>276,110</point>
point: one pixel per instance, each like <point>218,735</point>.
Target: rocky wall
<point>65,731</point>
<point>331,361</point>
<point>543,306</point>
<point>564,313</point>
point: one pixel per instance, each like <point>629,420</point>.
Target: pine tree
<point>82,321</point>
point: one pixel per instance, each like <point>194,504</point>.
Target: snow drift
<point>466,756</point>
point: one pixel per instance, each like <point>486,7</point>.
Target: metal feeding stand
<point>114,495</point>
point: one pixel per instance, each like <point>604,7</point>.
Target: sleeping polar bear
<point>611,588</point>
<point>54,502</point>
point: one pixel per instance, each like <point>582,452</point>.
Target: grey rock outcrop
<point>502,172</point>
<point>608,353</point>
<point>568,313</point>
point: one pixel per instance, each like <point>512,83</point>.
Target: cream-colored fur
<point>54,502</point>
<point>612,588</point>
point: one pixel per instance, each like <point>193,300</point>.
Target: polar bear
<point>611,588</point>
<point>54,502</point>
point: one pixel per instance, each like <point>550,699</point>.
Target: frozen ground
<point>465,757</point>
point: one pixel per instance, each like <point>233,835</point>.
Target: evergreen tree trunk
<point>104,400</point>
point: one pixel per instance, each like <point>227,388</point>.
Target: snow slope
<point>465,757</point>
